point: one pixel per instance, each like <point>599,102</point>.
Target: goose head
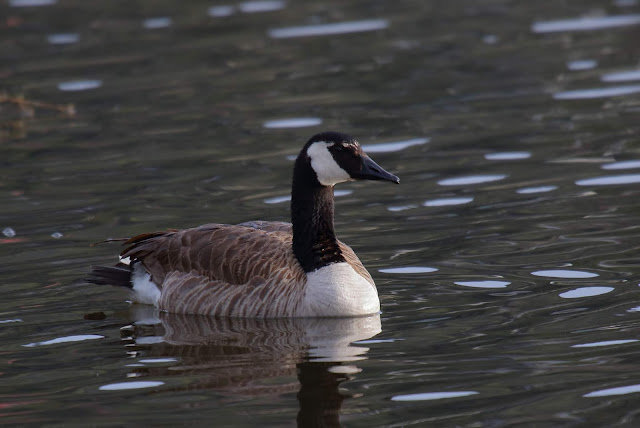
<point>335,157</point>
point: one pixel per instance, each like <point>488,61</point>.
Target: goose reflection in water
<point>242,357</point>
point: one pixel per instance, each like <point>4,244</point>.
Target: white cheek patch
<point>326,168</point>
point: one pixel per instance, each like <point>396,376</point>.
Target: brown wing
<point>355,262</point>
<point>280,295</point>
<point>347,252</point>
<point>227,253</point>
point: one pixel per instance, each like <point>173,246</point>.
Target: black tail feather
<point>119,275</point>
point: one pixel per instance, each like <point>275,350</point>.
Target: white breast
<point>337,290</point>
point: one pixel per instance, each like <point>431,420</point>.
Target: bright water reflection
<point>585,24</point>
<point>582,64</point>
<point>212,350</point>
<point>329,29</point>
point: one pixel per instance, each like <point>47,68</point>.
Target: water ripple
<point>507,156</point>
<point>604,343</point>
<point>585,292</point>
<point>31,3</point>
<point>156,23</point>
<point>471,179</point>
<point>329,29</point>
<point>630,164</point>
<point>130,385</point>
<point>585,24</point>
<point>63,38</point>
<point>261,6</point>
<point>621,76</point>
<point>621,390</point>
<point>66,339</point>
<point>424,396</point>
<point>581,94</point>
<point>537,189</point>
<point>447,201</point>
<point>582,64</point>
<point>158,360</point>
<point>79,85</point>
<point>564,273</point>
<point>483,284</point>
<point>409,269</point>
<point>610,180</point>
<point>393,146</point>
<point>221,11</point>
<point>294,122</point>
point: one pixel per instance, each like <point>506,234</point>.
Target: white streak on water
<point>621,76</point>
<point>432,395</point>
<point>329,29</point>
<point>564,273</point>
<point>610,180</point>
<point>149,340</point>
<point>221,11</point>
<point>63,38</point>
<point>605,343</point>
<point>65,339</point>
<point>582,64</point>
<point>155,23</point>
<point>507,156</point>
<point>396,208</point>
<point>261,6</point>
<point>31,3</point>
<point>294,122</point>
<point>158,360</point>
<point>130,385</point>
<point>585,24</point>
<point>585,292</point>
<point>538,189</point>
<point>483,284</point>
<point>630,164</point>
<point>409,269</point>
<point>472,179</point>
<point>582,94</point>
<point>394,146</point>
<point>621,390</point>
<point>79,85</point>
<point>372,341</point>
<point>442,202</point>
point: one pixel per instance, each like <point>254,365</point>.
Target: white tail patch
<point>326,168</point>
<point>144,289</point>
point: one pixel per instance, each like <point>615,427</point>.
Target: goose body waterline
<point>262,269</point>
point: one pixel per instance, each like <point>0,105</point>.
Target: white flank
<point>337,290</point>
<point>326,168</point>
<point>145,290</point>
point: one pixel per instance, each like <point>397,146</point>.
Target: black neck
<point>314,240</point>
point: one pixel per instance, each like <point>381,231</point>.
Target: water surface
<point>506,260</point>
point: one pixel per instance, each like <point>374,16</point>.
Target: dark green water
<point>507,173</point>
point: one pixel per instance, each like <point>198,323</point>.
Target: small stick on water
<point>22,103</point>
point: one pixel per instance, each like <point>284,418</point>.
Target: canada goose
<point>262,269</point>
